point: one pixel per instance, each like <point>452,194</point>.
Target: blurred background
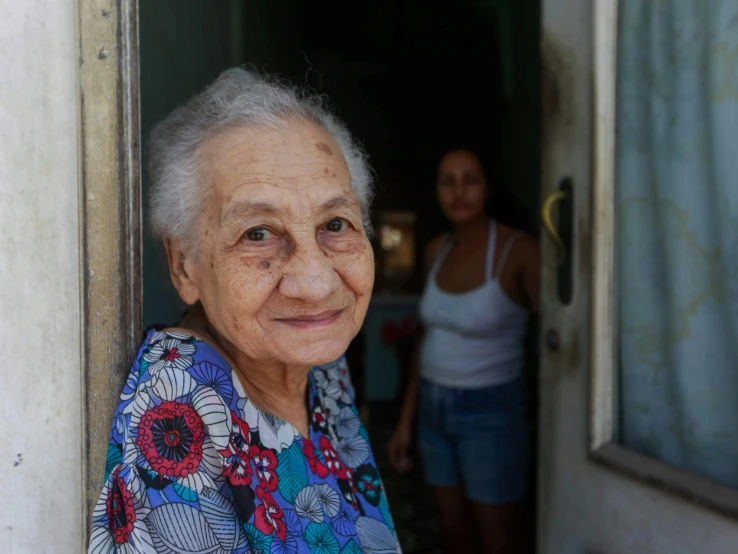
<point>410,78</point>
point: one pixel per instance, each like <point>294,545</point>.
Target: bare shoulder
<point>526,245</point>
<point>431,251</point>
<point>527,250</point>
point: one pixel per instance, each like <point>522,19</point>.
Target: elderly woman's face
<point>284,269</point>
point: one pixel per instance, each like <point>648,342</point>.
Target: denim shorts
<point>477,438</point>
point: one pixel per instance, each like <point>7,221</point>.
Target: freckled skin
<point>306,259</point>
<point>323,147</point>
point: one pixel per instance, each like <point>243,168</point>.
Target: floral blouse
<point>194,466</point>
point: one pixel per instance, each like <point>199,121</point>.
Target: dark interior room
<point>411,79</point>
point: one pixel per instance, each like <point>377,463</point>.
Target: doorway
<point>409,78</point>
<point>185,44</point>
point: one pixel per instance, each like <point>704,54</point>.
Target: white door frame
<point>580,65</point>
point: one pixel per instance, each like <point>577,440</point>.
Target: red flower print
<point>312,453</point>
<point>347,486</point>
<point>348,474</point>
<point>120,510</point>
<point>236,467</point>
<point>265,462</point>
<point>237,457</point>
<point>170,437</point>
<point>320,423</point>
<point>330,456</point>
<point>241,436</point>
<point>368,483</point>
<point>268,515</point>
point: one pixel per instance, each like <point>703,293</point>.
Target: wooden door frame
<point>110,221</point>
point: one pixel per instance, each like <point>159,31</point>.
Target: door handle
<point>562,235</point>
<point>548,204</point>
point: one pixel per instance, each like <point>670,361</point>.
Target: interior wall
<point>40,481</point>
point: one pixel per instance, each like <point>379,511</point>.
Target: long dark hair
<point>502,205</point>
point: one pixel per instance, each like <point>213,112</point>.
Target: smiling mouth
<point>313,321</point>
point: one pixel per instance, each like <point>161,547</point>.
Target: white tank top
<point>473,339</point>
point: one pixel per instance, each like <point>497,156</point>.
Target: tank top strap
<point>443,250</point>
<point>491,242</point>
<point>506,249</point>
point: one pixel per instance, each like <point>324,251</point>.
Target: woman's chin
<point>311,354</point>
<point>462,217</point>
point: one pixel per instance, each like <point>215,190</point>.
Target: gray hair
<point>237,98</point>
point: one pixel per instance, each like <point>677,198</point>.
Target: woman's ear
<point>183,269</point>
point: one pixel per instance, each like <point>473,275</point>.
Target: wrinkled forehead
<point>289,149</point>
<point>293,162</point>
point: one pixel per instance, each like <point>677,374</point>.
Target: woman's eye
<point>335,225</point>
<point>257,235</point>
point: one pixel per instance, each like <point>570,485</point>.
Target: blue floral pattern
<point>194,466</point>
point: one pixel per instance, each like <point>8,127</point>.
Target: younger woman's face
<point>462,186</point>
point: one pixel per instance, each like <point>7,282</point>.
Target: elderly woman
<point>237,431</point>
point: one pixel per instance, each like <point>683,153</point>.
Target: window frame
<point>603,445</point>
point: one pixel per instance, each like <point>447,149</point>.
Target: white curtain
<point>677,238</point>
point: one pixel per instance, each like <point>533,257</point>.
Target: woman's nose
<point>309,275</point>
